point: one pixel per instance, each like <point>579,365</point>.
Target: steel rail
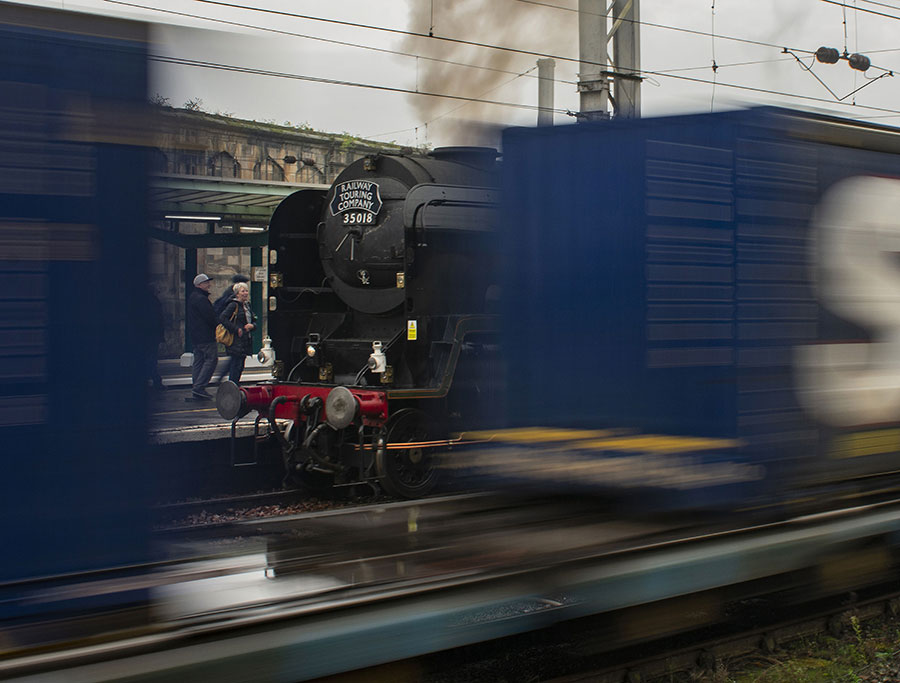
<point>704,653</point>
<point>307,637</point>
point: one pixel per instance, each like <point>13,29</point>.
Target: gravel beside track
<point>803,649</point>
<point>227,509</point>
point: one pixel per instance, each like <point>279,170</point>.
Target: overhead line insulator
<point>831,55</point>
<point>859,62</point>
<point>828,55</point>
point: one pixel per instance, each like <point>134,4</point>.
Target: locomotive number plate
<point>358,218</point>
<point>357,202</point>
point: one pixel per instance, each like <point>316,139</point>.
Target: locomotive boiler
<point>380,310</point>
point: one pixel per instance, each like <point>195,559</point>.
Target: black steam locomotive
<point>381,296</point>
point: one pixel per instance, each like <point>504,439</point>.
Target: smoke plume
<point>509,23</point>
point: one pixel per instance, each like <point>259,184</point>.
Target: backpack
<point>222,302</point>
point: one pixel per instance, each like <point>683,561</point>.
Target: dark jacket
<point>226,296</point>
<point>156,321</point>
<point>222,301</point>
<point>243,345</point>
<point>201,318</point>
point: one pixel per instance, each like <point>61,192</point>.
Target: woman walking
<point>240,321</point>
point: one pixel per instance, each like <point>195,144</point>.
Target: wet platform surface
<point>174,418</point>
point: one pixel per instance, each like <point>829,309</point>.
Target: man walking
<point>202,326</point>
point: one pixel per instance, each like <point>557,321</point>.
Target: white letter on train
<point>854,242</point>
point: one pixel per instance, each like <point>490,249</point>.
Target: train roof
<point>793,123</point>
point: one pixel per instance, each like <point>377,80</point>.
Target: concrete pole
<point>592,83</point>
<point>546,71</point>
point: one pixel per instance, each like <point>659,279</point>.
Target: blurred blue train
<point>705,307</point>
<point>73,216</point>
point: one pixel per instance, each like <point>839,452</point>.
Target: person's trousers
<point>226,369</point>
<point>237,368</point>
<point>153,366</point>
<point>205,358</point>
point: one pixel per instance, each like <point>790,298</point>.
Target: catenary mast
<point>603,81</point>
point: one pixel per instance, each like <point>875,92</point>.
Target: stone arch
<point>310,174</point>
<point>159,161</point>
<point>223,165</point>
<point>188,162</point>
<point>268,170</point>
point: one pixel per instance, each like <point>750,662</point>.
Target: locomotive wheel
<point>407,472</point>
<point>317,484</point>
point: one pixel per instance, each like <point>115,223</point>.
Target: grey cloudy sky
<point>495,75</point>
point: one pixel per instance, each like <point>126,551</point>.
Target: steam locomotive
<point>381,311</point>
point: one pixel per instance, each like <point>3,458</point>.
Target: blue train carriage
<point>73,214</point>
<point>704,307</point>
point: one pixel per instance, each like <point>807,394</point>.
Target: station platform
<point>175,419</point>
<point>191,452</point>
<point>177,372</point>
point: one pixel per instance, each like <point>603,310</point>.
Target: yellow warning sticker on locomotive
<point>412,330</point>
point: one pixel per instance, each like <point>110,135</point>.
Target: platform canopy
<point>229,199</point>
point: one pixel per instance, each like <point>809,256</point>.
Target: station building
<point>216,181</point>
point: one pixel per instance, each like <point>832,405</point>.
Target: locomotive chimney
<point>546,70</point>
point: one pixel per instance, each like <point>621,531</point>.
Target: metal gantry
<point>603,80</point>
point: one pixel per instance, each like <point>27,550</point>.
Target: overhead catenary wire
<point>844,11</point>
<point>663,73</point>
<point>855,45</point>
<point>808,69</point>
<point>400,53</point>
<point>825,85</point>
<point>650,24</point>
<point>471,43</point>
<point>779,93</point>
<point>455,109</point>
<point>880,4</point>
<point>841,3</point>
<point>503,48</point>
<point>715,67</point>
<point>748,41</point>
<point>343,43</point>
<point>367,47</point>
<point>316,79</point>
<point>165,59</point>
<point>844,55</point>
<point>387,29</point>
<point>485,45</point>
<point>752,62</point>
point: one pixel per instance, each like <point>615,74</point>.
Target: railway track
<point>220,509</point>
<point>744,636</point>
<point>411,578</point>
<point>225,502</point>
<point>588,650</point>
<point>292,507</point>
